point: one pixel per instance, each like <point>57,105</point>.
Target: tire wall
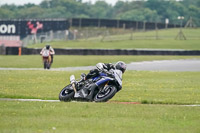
<point>30,51</point>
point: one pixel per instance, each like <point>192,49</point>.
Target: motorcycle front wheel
<point>67,93</point>
<point>105,94</point>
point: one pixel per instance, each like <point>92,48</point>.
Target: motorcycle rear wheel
<point>66,94</point>
<point>104,96</point>
<point>45,64</point>
<point>48,65</point>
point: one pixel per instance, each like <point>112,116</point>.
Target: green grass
<point>161,93</point>
<point>126,44</point>
<point>123,41</point>
<point>36,117</point>
<point>144,87</point>
<point>35,61</point>
<point>169,34</point>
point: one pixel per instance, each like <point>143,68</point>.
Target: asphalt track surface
<point>166,65</point>
<point>192,65</point>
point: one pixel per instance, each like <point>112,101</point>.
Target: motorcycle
<point>46,59</point>
<point>104,87</point>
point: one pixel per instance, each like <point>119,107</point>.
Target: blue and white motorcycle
<point>99,88</point>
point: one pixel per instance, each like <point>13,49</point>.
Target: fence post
<point>70,23</point>
<point>144,26</point>
<point>87,34</point>
<point>51,35</point>
<point>75,34</point>
<point>166,23</point>
<point>67,34</point>
<point>131,38</point>
<point>99,23</point>
<point>117,23</point>
<point>136,26</point>
<point>156,28</point>
<point>80,23</point>
<point>124,26</point>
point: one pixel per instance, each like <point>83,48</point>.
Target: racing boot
<point>51,59</point>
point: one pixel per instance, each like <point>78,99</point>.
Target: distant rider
<point>50,49</point>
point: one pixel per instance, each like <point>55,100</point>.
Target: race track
<point>162,65</point>
<point>166,65</point>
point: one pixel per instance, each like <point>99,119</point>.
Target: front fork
<point>104,87</point>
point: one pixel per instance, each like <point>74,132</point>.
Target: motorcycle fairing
<point>103,80</point>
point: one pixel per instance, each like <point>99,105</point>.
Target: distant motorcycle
<point>106,87</point>
<point>46,59</point>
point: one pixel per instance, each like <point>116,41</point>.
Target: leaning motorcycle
<point>106,86</point>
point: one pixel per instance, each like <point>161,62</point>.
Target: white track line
<point>192,105</point>
<point>40,100</point>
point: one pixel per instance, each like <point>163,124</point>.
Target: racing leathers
<point>105,67</point>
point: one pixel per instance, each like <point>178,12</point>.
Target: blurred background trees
<point>150,10</point>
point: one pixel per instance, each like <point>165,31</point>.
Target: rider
<point>106,67</point>
<point>51,50</point>
<point>120,65</point>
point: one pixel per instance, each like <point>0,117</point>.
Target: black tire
<point>45,64</point>
<point>66,94</point>
<point>48,65</point>
<point>106,95</point>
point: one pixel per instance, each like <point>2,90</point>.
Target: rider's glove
<point>111,66</point>
<point>109,73</point>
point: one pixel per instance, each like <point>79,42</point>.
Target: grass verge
<point>125,44</point>
<point>35,61</point>
<point>80,117</point>
<point>166,40</point>
<point>138,86</point>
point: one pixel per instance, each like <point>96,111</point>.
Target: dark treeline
<point>141,10</point>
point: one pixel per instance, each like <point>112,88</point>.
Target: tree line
<point>141,10</point>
